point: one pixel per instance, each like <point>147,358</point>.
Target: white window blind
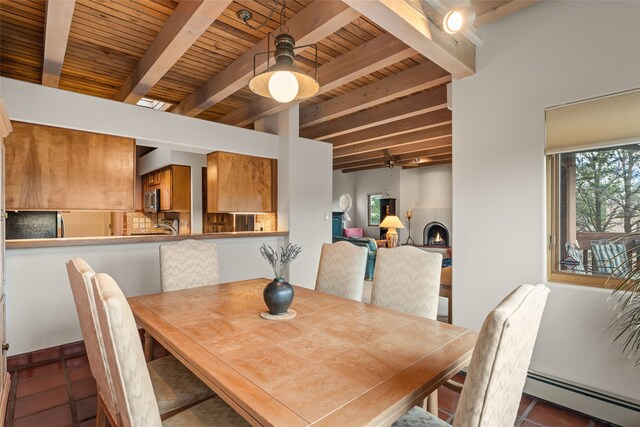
<point>594,123</point>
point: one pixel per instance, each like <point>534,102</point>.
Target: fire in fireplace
<point>435,234</point>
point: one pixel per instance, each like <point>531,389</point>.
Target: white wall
<point>407,198</point>
<point>304,192</point>
<point>343,183</point>
<point>434,200</point>
<point>548,54</point>
<point>385,181</point>
<point>40,308</point>
<point>310,206</point>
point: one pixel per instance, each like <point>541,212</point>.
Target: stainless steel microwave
<point>152,201</point>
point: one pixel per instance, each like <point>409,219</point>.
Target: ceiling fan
<point>390,160</point>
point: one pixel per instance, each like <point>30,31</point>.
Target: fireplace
<point>435,234</point>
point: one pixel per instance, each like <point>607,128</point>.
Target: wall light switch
<point>326,216</point>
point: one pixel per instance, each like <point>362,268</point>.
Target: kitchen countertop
<point>110,240</point>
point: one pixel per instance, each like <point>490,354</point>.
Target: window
<point>597,223</point>
<point>154,104</point>
<point>373,209</point>
<point>593,166</point>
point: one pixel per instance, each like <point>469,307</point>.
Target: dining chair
<point>407,279</point>
<point>132,384</point>
<point>188,264</point>
<point>341,270</point>
<point>611,258</point>
<point>495,379</point>
<point>174,385</point>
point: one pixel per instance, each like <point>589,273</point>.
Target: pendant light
<point>283,81</point>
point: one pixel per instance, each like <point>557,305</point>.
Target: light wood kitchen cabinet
<point>174,183</point>
<point>50,168</point>
<point>241,183</point>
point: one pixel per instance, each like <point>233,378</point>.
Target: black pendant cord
<point>245,16</point>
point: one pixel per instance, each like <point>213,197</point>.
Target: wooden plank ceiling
<point>381,102</point>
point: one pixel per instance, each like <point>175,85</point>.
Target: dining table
<point>337,362</point>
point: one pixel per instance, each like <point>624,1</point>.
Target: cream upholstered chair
<point>132,384</point>
<point>341,270</point>
<point>80,274</point>
<point>174,385</point>
<point>498,369</point>
<point>407,279</point>
<point>188,264</point>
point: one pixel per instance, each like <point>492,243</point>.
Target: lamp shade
<point>307,86</point>
<point>391,221</point>
<point>284,81</point>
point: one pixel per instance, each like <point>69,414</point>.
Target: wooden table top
<point>338,362</point>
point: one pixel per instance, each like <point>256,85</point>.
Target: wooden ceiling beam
<point>435,136</point>
<point>417,24</point>
<point>59,14</point>
<point>185,25</point>
<point>421,103</point>
<point>312,24</point>
<point>415,79</point>
<point>487,12</point>
<point>412,124</point>
<point>413,152</point>
<point>445,161</point>
<point>380,161</point>
<point>372,56</point>
<point>417,161</point>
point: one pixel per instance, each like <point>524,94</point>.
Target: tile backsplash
<point>267,221</point>
<point>143,223</point>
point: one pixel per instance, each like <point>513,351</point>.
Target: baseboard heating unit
<point>594,403</point>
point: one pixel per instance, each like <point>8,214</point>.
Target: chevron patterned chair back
<point>407,279</point>
<point>188,264</point>
<point>341,270</point>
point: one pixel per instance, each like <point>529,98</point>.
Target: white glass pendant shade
<point>283,86</point>
<point>306,85</point>
<point>453,22</point>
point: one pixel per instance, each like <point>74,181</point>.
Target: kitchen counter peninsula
<point>110,240</point>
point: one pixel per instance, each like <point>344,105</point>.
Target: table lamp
<point>392,222</point>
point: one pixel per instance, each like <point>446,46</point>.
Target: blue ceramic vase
<point>278,295</point>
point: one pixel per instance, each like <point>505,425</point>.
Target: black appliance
<point>387,207</point>
<point>34,225</point>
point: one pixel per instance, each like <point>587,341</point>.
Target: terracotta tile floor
<point>63,393</point>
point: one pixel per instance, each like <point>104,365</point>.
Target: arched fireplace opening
<point>435,234</point>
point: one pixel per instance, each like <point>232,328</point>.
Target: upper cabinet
<point>241,183</point>
<point>50,168</point>
<point>174,182</point>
